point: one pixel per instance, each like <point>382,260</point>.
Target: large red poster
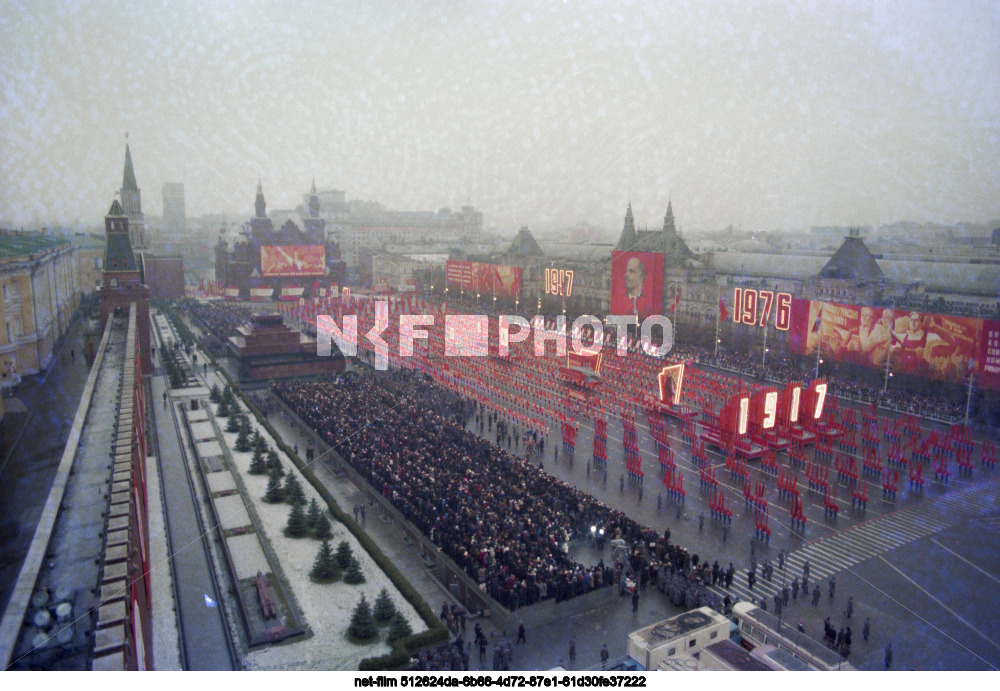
<point>934,345</point>
<point>485,279</point>
<point>927,345</point>
<point>636,283</point>
<point>849,333</point>
<point>988,360</point>
<point>293,260</point>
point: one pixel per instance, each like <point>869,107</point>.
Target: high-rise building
<point>173,208</point>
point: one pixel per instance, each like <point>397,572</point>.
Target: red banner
<point>988,360</point>
<point>591,363</point>
<point>936,346</point>
<point>485,279</point>
<point>293,260</point>
<point>636,283</point>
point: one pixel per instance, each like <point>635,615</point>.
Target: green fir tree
<point>258,441</point>
<point>273,462</point>
<point>362,627</point>
<point>324,569</point>
<point>294,494</point>
<point>275,493</point>
<point>323,530</point>
<point>258,466</point>
<point>296,522</point>
<point>222,410</point>
<point>313,513</point>
<point>384,609</point>
<point>215,395</point>
<point>344,554</point>
<point>233,425</point>
<point>243,441</point>
<point>398,628</point>
<point>353,574</point>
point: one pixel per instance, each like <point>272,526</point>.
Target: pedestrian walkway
<point>831,555</point>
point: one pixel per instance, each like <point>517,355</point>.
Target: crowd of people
<point>498,516</point>
<point>219,322</point>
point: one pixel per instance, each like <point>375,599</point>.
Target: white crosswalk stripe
<point>831,555</point>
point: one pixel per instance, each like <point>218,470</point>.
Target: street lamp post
<point>888,360</point>
<point>972,374</point>
<point>763,356</point>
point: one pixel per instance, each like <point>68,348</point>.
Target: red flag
<point>723,312</point>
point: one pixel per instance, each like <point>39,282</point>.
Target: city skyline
<point>764,117</point>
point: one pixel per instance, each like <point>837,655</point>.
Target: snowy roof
<point>769,265</point>
<point>952,277</point>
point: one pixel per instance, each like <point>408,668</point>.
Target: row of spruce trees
<point>329,566</point>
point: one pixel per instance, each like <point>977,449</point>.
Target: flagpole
<point>819,337</point>
<point>718,317</point>
<point>716,355</point>
<point>763,355</point>
<point>888,357</point>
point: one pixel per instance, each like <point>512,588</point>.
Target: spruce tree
<point>362,627</point>
<point>398,628</point>
<point>258,441</point>
<point>274,493</point>
<point>324,569</point>
<point>294,494</point>
<point>344,554</point>
<point>233,425</point>
<point>222,410</point>
<point>354,575</point>
<point>384,609</point>
<point>243,440</point>
<point>274,462</point>
<point>322,530</point>
<point>313,513</point>
<point>296,522</point>
<point>258,466</point>
<point>227,395</point>
<point>215,395</point>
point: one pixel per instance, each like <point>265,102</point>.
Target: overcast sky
<point>540,113</point>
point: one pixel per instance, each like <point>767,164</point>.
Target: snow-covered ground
<point>166,642</point>
<point>327,608</point>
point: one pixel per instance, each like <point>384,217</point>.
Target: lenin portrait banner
<point>636,283</point>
